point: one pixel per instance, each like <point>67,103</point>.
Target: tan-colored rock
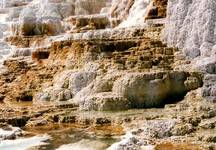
<point>120,9</point>
<point>32,27</point>
<point>158,10</point>
<point>105,101</point>
<point>152,89</point>
<point>89,22</point>
<point>209,89</point>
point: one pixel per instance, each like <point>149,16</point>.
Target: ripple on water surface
<point>58,137</point>
<point>78,139</point>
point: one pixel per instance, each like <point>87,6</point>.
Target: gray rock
<point>65,95</point>
<point>206,49</point>
<point>106,101</point>
<point>191,26</point>
<point>9,133</point>
<point>135,89</point>
<point>66,85</point>
<point>54,93</point>
<point>37,122</point>
<point>192,83</point>
<point>139,138</point>
<point>152,89</point>
<point>128,143</point>
<point>192,52</point>
<point>208,124</point>
<point>22,52</point>
<point>182,129</point>
<point>212,113</point>
<point>211,68</point>
<point>99,85</point>
<point>158,128</point>
<point>43,96</point>
<point>79,80</point>
<point>62,80</point>
<point>209,88</point>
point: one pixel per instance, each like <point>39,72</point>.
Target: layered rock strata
<point>89,55</point>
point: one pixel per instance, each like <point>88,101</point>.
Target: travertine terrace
<point>141,70</point>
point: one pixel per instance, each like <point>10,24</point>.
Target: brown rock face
<point>175,146</point>
<point>89,22</point>
<point>31,27</point>
<point>22,79</point>
<point>158,10</point>
<point>25,42</point>
<point>121,13</point>
<point>138,52</point>
<point>38,55</point>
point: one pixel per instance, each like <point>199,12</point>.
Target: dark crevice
<point>40,55</point>
<point>174,98</point>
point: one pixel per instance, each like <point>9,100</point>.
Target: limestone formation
<point>138,139</point>
<point>209,88</point>
<point>124,51</point>
<point>89,22</point>
<point>105,101</point>
<point>152,90</point>
<point>158,10</point>
<point>31,27</point>
<point>94,70</point>
<point>191,26</point>
<point>9,132</point>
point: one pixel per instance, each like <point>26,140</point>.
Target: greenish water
<point>78,139</point>
<point>74,138</point>
<point>69,139</point>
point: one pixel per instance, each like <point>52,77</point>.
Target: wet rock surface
<point>176,123</point>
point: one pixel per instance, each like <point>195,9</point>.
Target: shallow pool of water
<point>78,140</point>
<point>60,138</point>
